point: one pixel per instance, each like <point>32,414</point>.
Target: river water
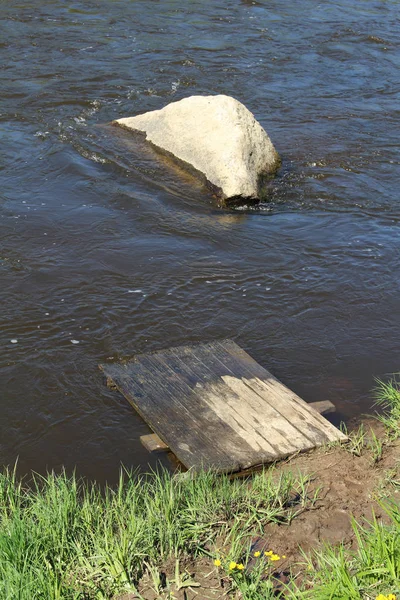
<point>106,252</point>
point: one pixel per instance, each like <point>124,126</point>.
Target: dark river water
<point>107,252</point>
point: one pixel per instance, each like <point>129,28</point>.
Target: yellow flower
<point>232,565</point>
<point>283,555</point>
<point>269,553</point>
<point>381,597</point>
<point>240,566</point>
<point>391,597</point>
<point>257,553</point>
<point>275,557</point>
<point>217,562</point>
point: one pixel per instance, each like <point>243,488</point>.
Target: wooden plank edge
<point>153,443</point>
<point>323,407</point>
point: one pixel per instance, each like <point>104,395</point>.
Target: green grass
<point>387,396</point>
<point>63,539</point>
<point>373,568</point>
<point>357,440</point>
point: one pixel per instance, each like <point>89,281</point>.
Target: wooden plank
<point>246,370</point>
<point>323,407</point>
<point>214,393</point>
<point>215,407</point>
<point>256,420</point>
<point>153,443</point>
<point>291,406</point>
<point>223,440</point>
<point>209,444</point>
<point>159,404</point>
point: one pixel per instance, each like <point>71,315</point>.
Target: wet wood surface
<point>215,407</point>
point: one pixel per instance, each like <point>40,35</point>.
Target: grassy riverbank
<point>67,540</point>
<point>207,537</point>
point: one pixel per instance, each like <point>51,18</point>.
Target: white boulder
<point>218,137</point>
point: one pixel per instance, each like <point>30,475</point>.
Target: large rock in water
<point>217,136</point>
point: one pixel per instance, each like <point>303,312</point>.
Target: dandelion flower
<point>240,566</point>
<point>381,597</point>
<point>232,565</point>
<point>257,553</point>
<point>217,562</point>
<point>391,597</point>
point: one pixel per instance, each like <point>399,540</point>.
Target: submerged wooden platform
<point>216,407</point>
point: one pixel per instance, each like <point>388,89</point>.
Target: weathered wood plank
<point>153,443</point>
<point>214,406</point>
<point>256,420</point>
<point>219,432</point>
<point>323,407</point>
<point>159,405</point>
<point>291,406</point>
